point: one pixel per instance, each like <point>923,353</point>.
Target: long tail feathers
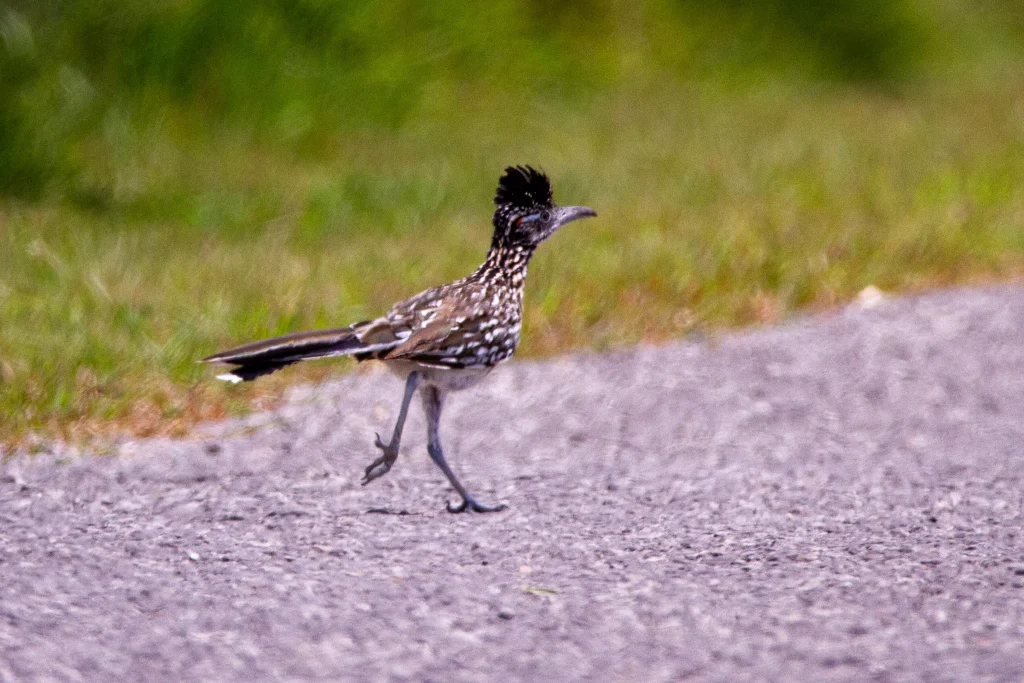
<point>264,357</point>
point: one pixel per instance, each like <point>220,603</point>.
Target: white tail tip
<point>230,377</point>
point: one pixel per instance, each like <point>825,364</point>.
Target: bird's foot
<point>382,465</point>
<point>469,503</point>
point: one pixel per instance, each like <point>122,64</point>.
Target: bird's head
<point>527,214</point>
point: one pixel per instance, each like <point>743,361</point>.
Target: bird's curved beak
<point>568,214</point>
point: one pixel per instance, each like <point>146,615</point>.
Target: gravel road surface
<point>837,498</point>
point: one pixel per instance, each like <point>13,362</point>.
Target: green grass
<point>715,209</point>
<point>179,177</point>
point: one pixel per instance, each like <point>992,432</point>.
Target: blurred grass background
<point>176,177</point>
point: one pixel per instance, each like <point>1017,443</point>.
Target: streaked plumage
<point>445,338</point>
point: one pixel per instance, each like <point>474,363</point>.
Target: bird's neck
<point>507,262</point>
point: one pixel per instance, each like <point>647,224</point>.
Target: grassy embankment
<point>159,236</point>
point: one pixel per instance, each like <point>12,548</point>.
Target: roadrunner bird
<point>444,339</point>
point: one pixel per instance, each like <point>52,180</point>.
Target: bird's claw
<point>382,465</point>
<point>469,503</point>
<point>377,468</point>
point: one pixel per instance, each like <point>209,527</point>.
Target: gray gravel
<point>838,498</point>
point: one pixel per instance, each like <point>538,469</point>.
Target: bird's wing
<point>449,334</point>
<point>381,335</point>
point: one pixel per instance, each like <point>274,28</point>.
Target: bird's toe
<point>377,468</point>
<point>470,504</point>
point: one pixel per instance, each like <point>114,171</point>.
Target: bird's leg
<point>382,465</point>
<point>433,401</point>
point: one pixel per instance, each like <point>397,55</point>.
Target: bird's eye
<point>545,216</point>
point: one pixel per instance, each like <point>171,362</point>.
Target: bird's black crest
<point>523,186</point>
